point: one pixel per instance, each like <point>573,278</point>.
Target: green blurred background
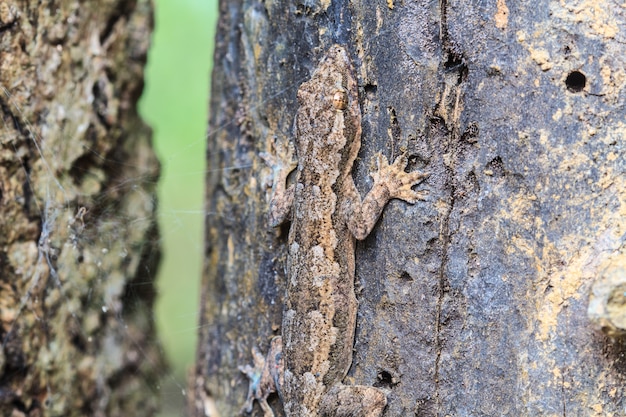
<point>175,103</point>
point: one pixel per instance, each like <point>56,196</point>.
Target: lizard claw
<point>398,182</point>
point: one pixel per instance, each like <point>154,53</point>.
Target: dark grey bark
<point>78,235</point>
<point>474,302</point>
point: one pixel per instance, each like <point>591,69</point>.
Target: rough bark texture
<point>473,303</point>
<point>77,228</point>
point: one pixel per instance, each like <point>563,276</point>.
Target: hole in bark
<point>79,343</point>
<point>384,379</point>
<point>456,63</point>
<point>453,61</point>
<point>370,90</point>
<point>405,276</point>
<point>576,81</point>
<point>100,103</point>
<point>81,167</point>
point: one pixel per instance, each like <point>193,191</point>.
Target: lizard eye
<point>340,100</point>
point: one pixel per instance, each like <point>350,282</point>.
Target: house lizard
<point>308,364</point>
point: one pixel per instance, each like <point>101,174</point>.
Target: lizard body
<point>327,215</point>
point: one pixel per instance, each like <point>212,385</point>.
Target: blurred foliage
<point>175,103</point>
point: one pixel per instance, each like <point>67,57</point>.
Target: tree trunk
<point>475,301</point>
<point>77,202</point>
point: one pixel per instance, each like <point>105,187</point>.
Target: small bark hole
<point>576,81</point>
<point>384,379</point>
<point>405,276</point>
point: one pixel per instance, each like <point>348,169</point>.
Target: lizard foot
<point>265,377</point>
<point>398,182</point>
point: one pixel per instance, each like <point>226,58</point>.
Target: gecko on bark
<point>308,364</point>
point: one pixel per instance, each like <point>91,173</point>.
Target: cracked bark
<point>77,205</point>
<point>474,302</point>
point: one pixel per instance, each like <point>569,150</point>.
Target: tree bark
<point>77,203</point>
<point>474,302</point>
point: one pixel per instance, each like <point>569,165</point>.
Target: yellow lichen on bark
<point>501,17</point>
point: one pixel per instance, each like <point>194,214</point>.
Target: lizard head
<point>329,118</point>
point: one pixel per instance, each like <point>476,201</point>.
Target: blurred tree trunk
<point>474,302</point>
<point>77,202</point>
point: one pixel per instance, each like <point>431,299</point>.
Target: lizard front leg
<point>390,181</point>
